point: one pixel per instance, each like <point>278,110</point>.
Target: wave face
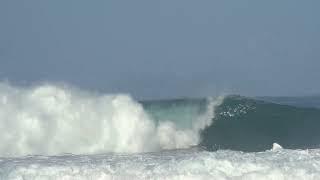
<point>252,125</point>
<point>50,120</point>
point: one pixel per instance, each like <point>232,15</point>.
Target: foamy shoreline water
<point>176,164</point>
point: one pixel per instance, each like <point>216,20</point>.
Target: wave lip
<point>52,120</point>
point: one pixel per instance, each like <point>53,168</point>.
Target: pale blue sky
<point>164,48</point>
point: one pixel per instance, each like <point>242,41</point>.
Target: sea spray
<point>51,119</point>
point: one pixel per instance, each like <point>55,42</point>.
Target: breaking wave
<point>51,119</point>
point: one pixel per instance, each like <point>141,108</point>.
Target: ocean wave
<point>55,119</point>
<point>247,124</point>
<point>51,119</point>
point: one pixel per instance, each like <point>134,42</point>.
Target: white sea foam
<point>175,164</point>
<point>51,119</point>
<point>276,147</point>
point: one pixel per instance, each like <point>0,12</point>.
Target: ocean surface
<point>61,132</point>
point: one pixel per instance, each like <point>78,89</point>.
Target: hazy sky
<point>164,48</point>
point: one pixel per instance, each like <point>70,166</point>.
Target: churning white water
<point>50,120</point>
<point>281,164</point>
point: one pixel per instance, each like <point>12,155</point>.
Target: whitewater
<point>51,120</point>
<point>179,164</point>
<point>54,131</point>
